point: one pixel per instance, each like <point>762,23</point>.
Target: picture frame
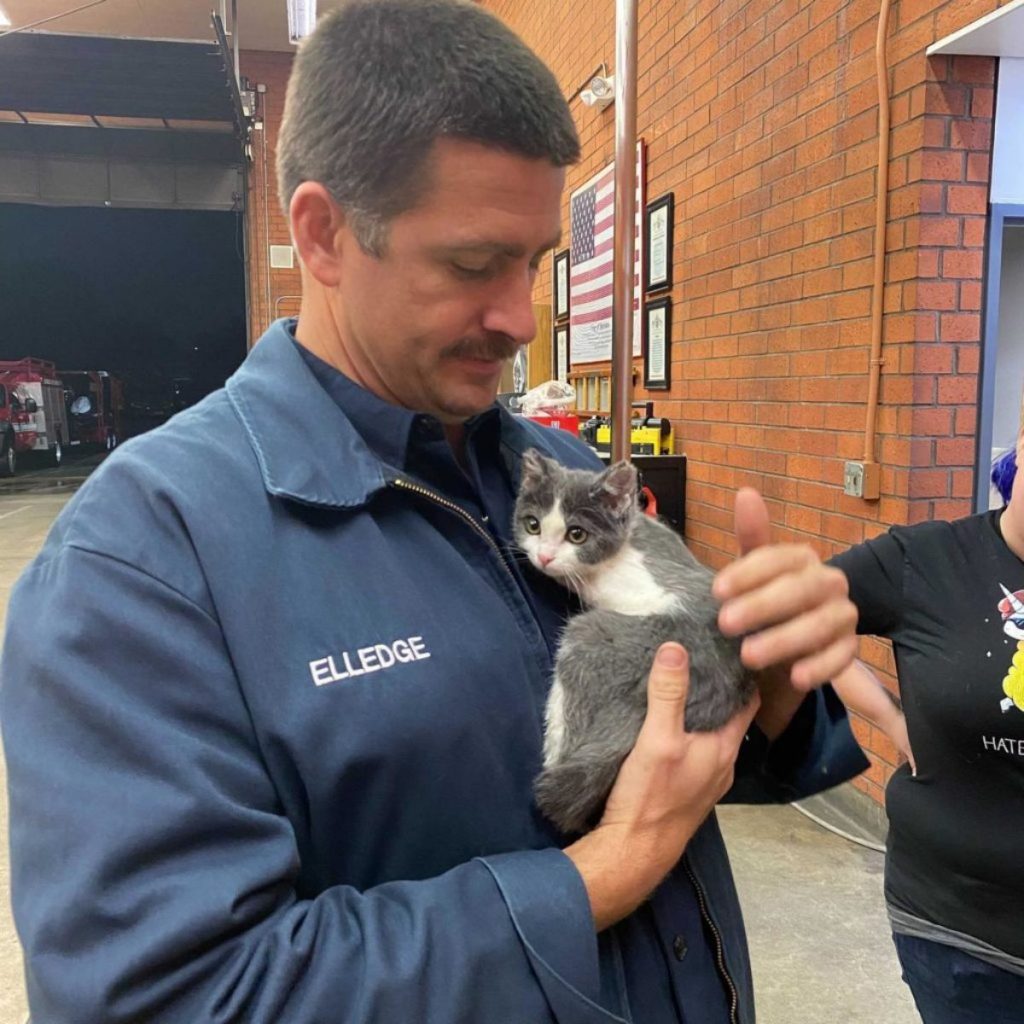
<point>560,286</point>
<point>658,344</point>
<point>659,221</point>
<point>560,352</point>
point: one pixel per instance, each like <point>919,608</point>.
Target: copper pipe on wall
<point>625,218</point>
<point>872,484</point>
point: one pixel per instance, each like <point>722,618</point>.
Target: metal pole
<point>625,218</point>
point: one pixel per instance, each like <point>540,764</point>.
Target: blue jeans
<point>953,987</point>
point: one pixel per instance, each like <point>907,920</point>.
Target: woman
<point>950,596</point>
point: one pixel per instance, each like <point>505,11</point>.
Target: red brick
<point>974,231</point>
<point>939,230</point>
<point>960,327</point>
<point>957,390</point>
<point>934,359</point>
<point>970,295</point>
<point>942,165</point>
<point>975,135</point>
<point>978,167</point>
<point>929,483</point>
<point>936,295</point>
<point>967,358</point>
<point>962,263</point>
<point>966,420</point>
<point>981,102</point>
<point>976,70</point>
<point>934,422</point>
<point>967,199</point>
<point>952,509</point>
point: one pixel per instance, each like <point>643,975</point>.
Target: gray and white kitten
<point>640,587</point>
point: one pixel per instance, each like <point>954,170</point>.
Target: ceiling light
<point>4,20</point>
<point>301,19</point>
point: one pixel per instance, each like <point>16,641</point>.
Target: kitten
<point>640,587</point>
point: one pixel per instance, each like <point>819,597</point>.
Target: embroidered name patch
<point>375,658</point>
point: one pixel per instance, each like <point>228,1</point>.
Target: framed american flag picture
<point>592,255</point>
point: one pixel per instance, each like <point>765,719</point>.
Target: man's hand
<point>666,787</point>
<point>788,606</point>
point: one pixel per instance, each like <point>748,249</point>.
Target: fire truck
<point>32,413</point>
<point>95,400</point>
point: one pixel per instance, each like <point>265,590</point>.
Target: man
<point>277,766</point>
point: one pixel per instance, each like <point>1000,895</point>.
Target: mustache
<point>496,346</point>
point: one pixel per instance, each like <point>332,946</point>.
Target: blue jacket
<point>271,736</point>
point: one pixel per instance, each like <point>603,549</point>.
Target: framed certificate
<point>560,352</point>
<point>657,343</point>
<point>560,286</point>
<point>658,248</point>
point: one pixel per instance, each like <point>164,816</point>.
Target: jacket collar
<point>306,447</point>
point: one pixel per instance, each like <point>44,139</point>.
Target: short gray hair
<point>379,81</point>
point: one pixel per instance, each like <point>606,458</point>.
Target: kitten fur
<point>640,587</point>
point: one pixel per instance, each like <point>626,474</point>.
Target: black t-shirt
<point>950,596</point>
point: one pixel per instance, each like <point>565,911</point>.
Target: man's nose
<point>510,311</point>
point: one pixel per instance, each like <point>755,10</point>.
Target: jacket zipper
<point>734,999</point>
<point>462,513</point>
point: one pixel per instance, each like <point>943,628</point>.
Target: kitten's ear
<point>535,467</point>
<point>616,488</point>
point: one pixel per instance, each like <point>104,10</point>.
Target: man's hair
<point>379,81</point>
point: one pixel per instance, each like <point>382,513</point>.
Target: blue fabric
<point>274,761</point>
<point>952,987</point>
<point>417,444</point>
<point>1004,469</point>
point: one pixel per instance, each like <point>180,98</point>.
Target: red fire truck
<point>95,400</point>
<point>32,413</point>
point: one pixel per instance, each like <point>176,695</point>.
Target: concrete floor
<point>813,902</point>
<point>819,939</point>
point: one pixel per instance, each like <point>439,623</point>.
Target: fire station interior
<point>122,262</point>
<point>128,292</point>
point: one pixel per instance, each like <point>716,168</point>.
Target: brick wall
<point>761,117</point>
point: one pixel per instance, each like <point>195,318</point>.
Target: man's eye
<point>577,535</point>
<point>465,271</point>
<point>531,524</point>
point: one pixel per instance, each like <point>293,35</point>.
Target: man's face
<point>430,323</point>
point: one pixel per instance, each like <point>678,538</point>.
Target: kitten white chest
<point>625,585</point>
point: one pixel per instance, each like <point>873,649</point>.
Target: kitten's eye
<point>531,524</point>
<point>577,535</point>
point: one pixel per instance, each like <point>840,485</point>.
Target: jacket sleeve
<point>155,877</point>
<point>816,751</point>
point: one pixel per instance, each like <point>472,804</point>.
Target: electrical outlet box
<point>862,480</point>
<point>853,479</point>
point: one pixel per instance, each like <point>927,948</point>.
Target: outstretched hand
<point>790,608</point>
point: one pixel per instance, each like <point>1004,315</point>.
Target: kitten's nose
<point>544,559</point>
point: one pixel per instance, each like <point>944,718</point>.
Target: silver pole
<point>625,217</point>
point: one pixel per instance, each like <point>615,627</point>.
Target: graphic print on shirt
<point>1011,608</point>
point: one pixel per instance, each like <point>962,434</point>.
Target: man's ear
<point>317,225</point>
